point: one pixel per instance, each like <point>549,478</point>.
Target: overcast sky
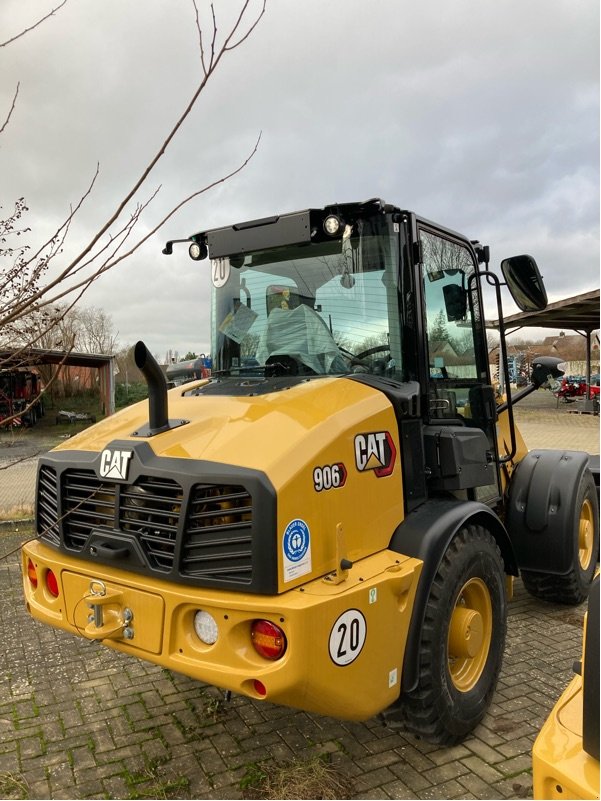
<point>483,116</point>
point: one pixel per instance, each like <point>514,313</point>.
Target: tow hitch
<point>107,619</point>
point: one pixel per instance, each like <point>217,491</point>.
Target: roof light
<point>205,627</point>
<point>268,639</point>
<point>332,224</point>
<point>198,251</point>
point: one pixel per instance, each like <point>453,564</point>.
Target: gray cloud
<point>482,116</point>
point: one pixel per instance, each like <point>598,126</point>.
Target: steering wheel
<point>371,351</point>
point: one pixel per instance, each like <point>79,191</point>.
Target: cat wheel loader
<point>334,519</point>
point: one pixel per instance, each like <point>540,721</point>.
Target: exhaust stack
<point>158,417</point>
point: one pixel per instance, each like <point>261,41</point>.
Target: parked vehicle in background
<point>21,402</point>
<point>183,372</point>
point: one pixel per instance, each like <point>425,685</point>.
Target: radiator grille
<point>47,506</point>
<point>217,538</point>
<point>87,503</point>
<point>150,508</point>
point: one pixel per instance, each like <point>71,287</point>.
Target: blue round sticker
<point>296,540</point>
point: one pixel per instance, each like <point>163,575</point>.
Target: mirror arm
<point>493,280</point>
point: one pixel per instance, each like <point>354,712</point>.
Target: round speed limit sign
<point>220,272</point>
<point>347,637</point>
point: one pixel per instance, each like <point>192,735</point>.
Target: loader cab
<point>375,294</point>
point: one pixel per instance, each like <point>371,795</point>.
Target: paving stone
<point>75,717</point>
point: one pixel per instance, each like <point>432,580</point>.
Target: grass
<point>302,778</point>
<point>149,783</point>
<point>22,511</point>
<point>12,785</point>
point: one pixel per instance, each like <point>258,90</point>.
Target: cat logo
<point>375,451</point>
<point>115,464</point>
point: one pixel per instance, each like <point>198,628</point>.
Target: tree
<point>438,331</point>
<point>33,297</point>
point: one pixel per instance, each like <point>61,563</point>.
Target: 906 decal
<point>330,476</point>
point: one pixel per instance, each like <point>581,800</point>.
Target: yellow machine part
<point>561,768</point>
<point>289,435</point>
<point>345,633</point>
<point>504,440</point>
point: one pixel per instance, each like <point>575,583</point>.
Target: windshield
<point>315,309</point>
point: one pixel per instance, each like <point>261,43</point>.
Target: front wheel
<point>462,641</point>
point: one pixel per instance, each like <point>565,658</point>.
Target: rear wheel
<point>462,641</point>
<point>572,587</point>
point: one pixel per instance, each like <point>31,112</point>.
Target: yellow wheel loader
<point>332,521</point>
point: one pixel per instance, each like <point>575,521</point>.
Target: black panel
<point>457,457</point>
<point>412,455</point>
<point>590,723</point>
<point>193,522</point>
<point>270,232</point>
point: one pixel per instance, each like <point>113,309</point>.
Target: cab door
<point>457,392</point>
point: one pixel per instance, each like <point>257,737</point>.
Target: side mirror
<point>544,370</point>
<point>525,283</point>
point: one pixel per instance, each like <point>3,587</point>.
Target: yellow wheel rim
<point>585,534</point>
<point>470,634</point>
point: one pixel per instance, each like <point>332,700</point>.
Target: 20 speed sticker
<point>347,637</point>
<point>330,476</point>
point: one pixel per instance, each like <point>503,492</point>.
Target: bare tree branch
<point>32,27</point>
<point>12,108</point>
<point>26,287</point>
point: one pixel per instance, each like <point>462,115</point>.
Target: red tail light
<point>52,583</point>
<point>268,639</point>
<point>32,574</point>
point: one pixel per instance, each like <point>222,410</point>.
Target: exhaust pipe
<point>158,420</point>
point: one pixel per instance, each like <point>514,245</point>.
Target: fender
<point>425,534</point>
<point>541,509</point>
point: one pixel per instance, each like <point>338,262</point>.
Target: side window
<point>451,319</point>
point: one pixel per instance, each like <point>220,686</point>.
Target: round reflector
<point>52,583</point>
<point>268,639</point>
<point>32,574</point>
<point>260,687</point>
<point>205,627</point>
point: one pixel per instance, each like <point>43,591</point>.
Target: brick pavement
<point>78,720</point>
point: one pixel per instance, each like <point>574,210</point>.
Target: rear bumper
<point>330,666</point>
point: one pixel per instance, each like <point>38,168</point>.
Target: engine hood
<point>271,432</point>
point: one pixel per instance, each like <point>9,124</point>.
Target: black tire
<point>572,588</point>
<point>455,690</point>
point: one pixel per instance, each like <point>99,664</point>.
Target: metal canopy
<point>34,357</point>
<point>579,313</point>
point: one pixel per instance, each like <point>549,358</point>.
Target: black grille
<point>217,538</point>
<point>87,503</point>
<point>47,506</point>
<point>188,521</point>
<point>150,508</point>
